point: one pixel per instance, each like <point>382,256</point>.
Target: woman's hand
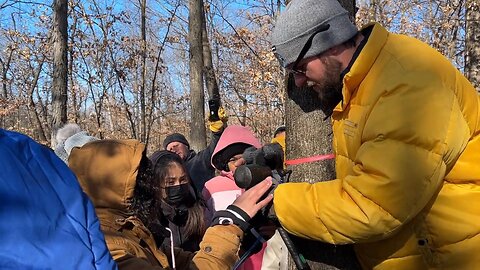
<point>248,201</point>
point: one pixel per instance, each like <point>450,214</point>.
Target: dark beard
<point>329,98</point>
<point>330,90</point>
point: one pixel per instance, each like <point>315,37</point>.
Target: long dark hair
<point>195,225</point>
<point>146,201</point>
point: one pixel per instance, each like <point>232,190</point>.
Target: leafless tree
<point>209,71</point>
<point>59,81</point>
<point>472,42</point>
<point>197,125</point>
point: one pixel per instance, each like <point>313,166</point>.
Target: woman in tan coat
<point>117,176</point>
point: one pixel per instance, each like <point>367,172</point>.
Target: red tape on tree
<point>309,159</point>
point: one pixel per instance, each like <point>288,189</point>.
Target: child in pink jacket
<point>221,191</point>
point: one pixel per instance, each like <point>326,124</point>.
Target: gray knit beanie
<point>302,18</point>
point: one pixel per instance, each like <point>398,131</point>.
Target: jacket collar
<point>191,154</point>
<point>362,61</point>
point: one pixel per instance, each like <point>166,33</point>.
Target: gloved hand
<point>221,123</point>
<point>218,117</point>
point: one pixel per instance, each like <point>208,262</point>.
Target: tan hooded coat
<point>107,171</point>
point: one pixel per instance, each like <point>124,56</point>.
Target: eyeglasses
<point>294,69</point>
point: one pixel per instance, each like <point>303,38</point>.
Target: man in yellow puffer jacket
<point>406,137</point>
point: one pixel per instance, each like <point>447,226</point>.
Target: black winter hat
<point>175,137</point>
<point>220,159</point>
<point>279,129</point>
<point>161,154</point>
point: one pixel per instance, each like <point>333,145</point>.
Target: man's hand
<point>248,201</point>
<point>217,118</point>
<point>218,125</point>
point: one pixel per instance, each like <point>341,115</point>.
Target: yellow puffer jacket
<point>407,145</point>
<point>280,139</point>
<point>107,171</point>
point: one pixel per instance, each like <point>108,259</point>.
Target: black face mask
<point>179,194</point>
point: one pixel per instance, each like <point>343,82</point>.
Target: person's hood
<point>235,134</point>
<point>107,171</point>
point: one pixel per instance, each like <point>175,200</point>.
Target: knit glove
<point>218,125</point>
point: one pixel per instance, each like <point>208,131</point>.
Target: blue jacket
<point>46,221</point>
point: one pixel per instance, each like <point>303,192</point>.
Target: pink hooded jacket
<point>221,191</point>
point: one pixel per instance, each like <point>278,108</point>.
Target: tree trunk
<point>197,126</point>
<point>4,98</point>
<point>59,89</point>
<point>73,91</point>
<point>310,134</point>
<point>143,114</point>
<point>39,132</point>
<point>5,68</point>
<point>209,71</point>
<point>472,41</point>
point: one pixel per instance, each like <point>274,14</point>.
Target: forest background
<point>129,63</point>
